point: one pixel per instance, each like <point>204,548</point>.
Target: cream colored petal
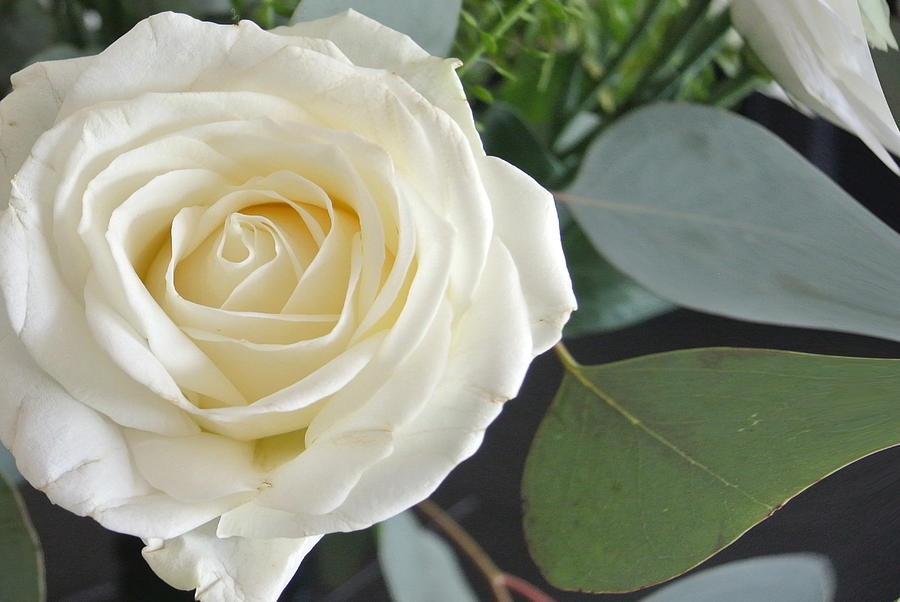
<point>30,110</point>
<point>208,466</point>
<point>90,144</point>
<point>13,271</point>
<point>526,222</point>
<point>56,334</point>
<point>227,569</point>
<point>429,150</point>
<point>359,431</point>
<point>260,370</point>
<point>370,44</point>
<point>171,52</point>
<point>79,458</point>
<point>293,407</point>
<point>490,355</point>
<point>373,402</point>
<point>126,347</point>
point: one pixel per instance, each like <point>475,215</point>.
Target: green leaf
<point>888,66</point>
<point>713,212</point>
<point>431,23</point>
<point>418,565</point>
<point>8,468</point>
<point>21,561</point>
<point>340,556</point>
<point>505,135</point>
<point>607,298</point>
<point>549,102</point>
<point>781,578</point>
<point>642,469</point>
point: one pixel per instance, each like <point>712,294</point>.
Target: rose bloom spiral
<point>260,285</point>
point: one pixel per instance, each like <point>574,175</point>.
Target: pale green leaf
<point>21,561</point>
<point>713,212</point>
<point>431,23</point>
<point>418,565</point>
<point>781,578</point>
<point>642,469</point>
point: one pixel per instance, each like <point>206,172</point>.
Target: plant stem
<point>499,581</point>
<point>525,589</point>
<point>733,91</point>
<point>467,544</point>
<point>705,43</point>
<point>678,32</point>
<point>690,37</point>
<point>640,31</point>
<point>566,357</point>
<point>505,23</point>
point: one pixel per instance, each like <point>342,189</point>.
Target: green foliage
<point>418,565</point>
<point>607,298</point>
<point>567,70</point>
<point>341,556</point>
<point>713,212</point>
<point>625,53</point>
<point>644,468</point>
<point>889,73</point>
<point>507,136</point>
<point>267,13</point>
<point>22,574</point>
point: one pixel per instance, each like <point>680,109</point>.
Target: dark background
<point>852,517</point>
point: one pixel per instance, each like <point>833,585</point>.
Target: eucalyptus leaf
<point>21,561</point>
<point>607,298</point>
<point>431,23</point>
<point>341,556</point>
<point>781,578</point>
<point>642,469</point>
<point>507,136</point>
<point>8,468</point>
<point>713,212</point>
<point>888,66</point>
<point>418,565</point>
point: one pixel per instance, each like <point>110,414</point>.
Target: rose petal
<point>76,361</point>
<point>227,569</point>
<point>31,109</point>
<point>428,148</point>
<point>80,459</point>
<point>368,43</point>
<point>358,429</point>
<point>491,352</point>
<point>525,220</point>
<point>171,52</point>
<point>209,466</point>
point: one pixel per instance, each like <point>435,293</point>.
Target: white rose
<point>817,51</point>
<point>261,286</point>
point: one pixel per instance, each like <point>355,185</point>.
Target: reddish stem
<point>524,588</point>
